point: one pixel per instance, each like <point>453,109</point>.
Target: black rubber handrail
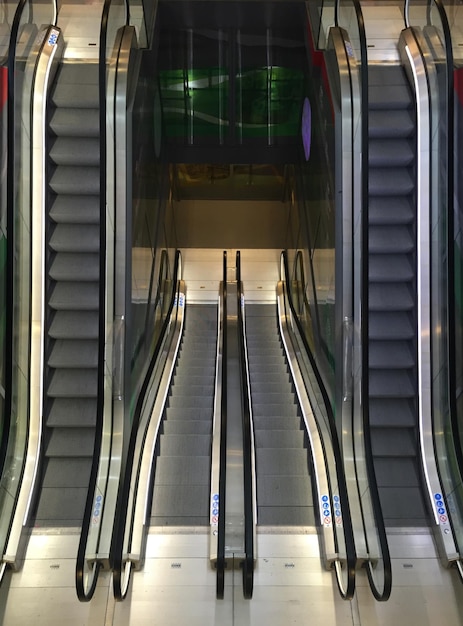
<point>384,594</point>
<point>83,593</point>
<point>351,558</point>
<point>119,588</point>
<point>11,232</point>
<point>220,565</point>
<point>248,563</point>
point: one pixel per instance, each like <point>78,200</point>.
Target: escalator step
<point>266,422</point>
<point>390,326</point>
<point>63,471</point>
<point>276,396</point>
<point>77,324</point>
<point>76,151</point>
<point>403,506</point>
<point>286,462</point>
<point>179,390</point>
<point>391,383</point>
<point>284,491</point>
<point>390,153</point>
<point>393,442</point>
<point>75,122</point>
<point>203,378</point>
<point>397,268</point>
<point>183,470</point>
<point>75,296</point>
<point>390,182</point>
<point>76,84</point>
<point>185,445</point>
<point>71,442</point>
<point>74,353</point>
<point>68,412</point>
<point>390,240</point>
<point>199,402</point>
<point>396,96</point>
<point>189,413</point>
<point>190,501</point>
<point>79,181</point>
<point>187,427</point>
<point>278,439</point>
<point>391,124</point>
<point>392,412</point>
<point>271,378</point>
<point>385,297</point>
<point>390,210</point>
<point>286,516</point>
<point>78,238</point>
<point>74,210</point>
<point>73,383</point>
<point>275,410</point>
<point>402,473</point>
<point>75,266</point>
<point>391,354</point>
<point>64,506</point>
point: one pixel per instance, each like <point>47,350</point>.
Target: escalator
<point>284,491</point>
<point>392,197</point>
<point>183,466</point>
<point>73,243</point>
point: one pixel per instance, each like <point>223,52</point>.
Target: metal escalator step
<point>204,378</point>
<point>75,210</point>
<point>70,266</point>
<point>403,506</point>
<point>390,412</point>
<point>76,324</point>
<point>390,240</point>
<point>391,383</point>
<point>286,516</point>
<point>390,210</point>
<point>278,439</point>
<point>73,383</point>
<point>60,472</point>
<point>284,462</point>
<point>402,472</point>
<point>183,470</point>
<point>180,502</point>
<point>396,96</point>
<point>68,412</point>
<point>395,268</point>
<point>189,413</point>
<point>385,297</point>
<point>191,391</point>
<point>276,377</point>
<point>185,445</point>
<point>187,427</point>
<point>77,84</point>
<point>391,124</point>
<point>271,389</point>
<point>384,354</point>
<point>275,410</point>
<point>190,402</point>
<point>390,153</point>
<point>75,122</point>
<point>284,491</point>
<point>263,352</point>
<point>71,442</point>
<point>393,442</point>
<point>76,180</point>
<point>390,181</point>
<point>390,326</point>
<point>266,422</point>
<point>75,296</point>
<point>76,238</point>
<point>61,507</point>
<point>74,353</point>
<point>284,398</point>
<point>77,151</point>
<point>194,361</point>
